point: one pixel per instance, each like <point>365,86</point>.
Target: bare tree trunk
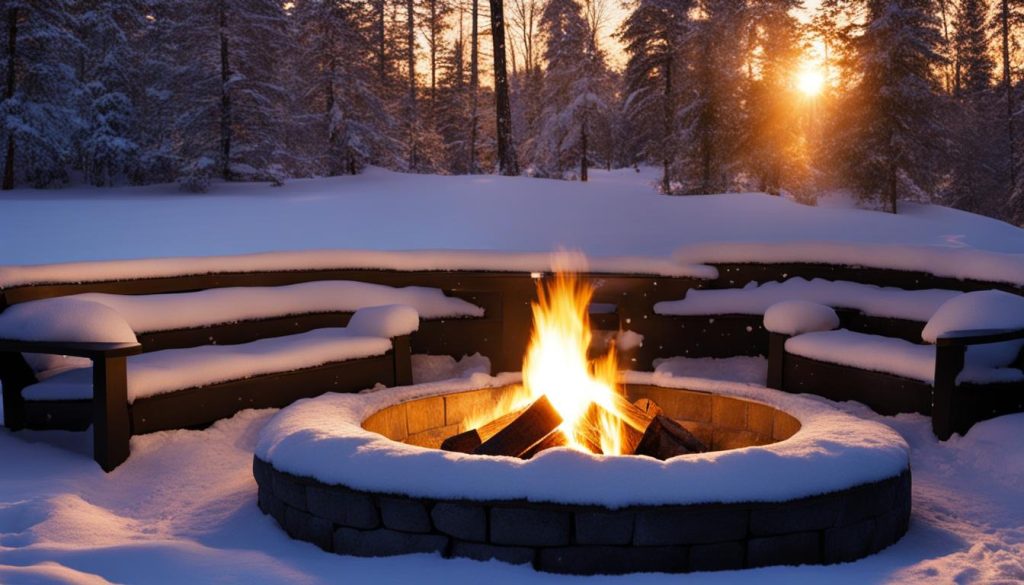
<point>382,57</point>
<point>225,95</point>
<point>433,54</point>
<point>507,163</point>
<point>410,55</point>
<point>583,147</point>
<point>12,46</point>
<point>1004,18</point>
<point>666,159</point>
<point>474,86</point>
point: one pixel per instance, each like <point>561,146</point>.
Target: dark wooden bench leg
<point>15,375</point>
<point>776,360</point>
<point>111,426</point>
<point>403,360</point>
<point>947,415</point>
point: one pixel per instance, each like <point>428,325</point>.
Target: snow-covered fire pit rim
<point>322,438</point>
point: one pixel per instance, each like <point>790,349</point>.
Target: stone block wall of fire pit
<point>584,539</point>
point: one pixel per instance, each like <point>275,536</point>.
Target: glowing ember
<point>556,365</point>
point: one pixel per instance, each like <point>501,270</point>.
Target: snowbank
<point>953,261</point>
<point>322,438</point>
<point>430,260</point>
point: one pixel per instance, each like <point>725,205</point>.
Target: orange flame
<point>556,365</point>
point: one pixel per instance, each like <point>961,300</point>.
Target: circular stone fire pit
<point>790,481</point>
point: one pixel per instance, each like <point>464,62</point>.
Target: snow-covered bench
<point>725,322</point>
<point>967,369</point>
<point>135,364</point>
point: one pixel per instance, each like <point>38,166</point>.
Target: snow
<point>183,509</point>
<point>754,299</point>
<point>323,438</point>
<point>159,372</point>
<point>384,321</point>
<point>985,309</point>
<point>65,319</point>
<point>474,222</point>
<point>161,312</point>
<point>952,258</point>
<point>434,368</point>
<point>893,356</point>
<point>744,369</point>
<point>796,317</point>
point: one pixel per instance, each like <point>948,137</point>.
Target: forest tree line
<point>921,100</point>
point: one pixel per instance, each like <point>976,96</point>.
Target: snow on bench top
<point>877,353</point>
<point>160,312</point>
<point>414,260</point>
<point>165,371</point>
<point>946,261</point>
<point>323,438</point>
<point>754,299</point>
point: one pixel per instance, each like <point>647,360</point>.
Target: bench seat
<point>889,355</point>
<point>160,372</point>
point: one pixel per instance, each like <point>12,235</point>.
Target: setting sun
<point>810,81</point>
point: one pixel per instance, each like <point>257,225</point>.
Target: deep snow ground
<point>615,214</point>
<point>183,509</point>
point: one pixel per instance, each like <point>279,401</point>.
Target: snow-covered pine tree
<point>226,88</point>
<point>109,31</point>
<point>345,122</point>
<point>709,118</point>
<point>891,129</point>
<point>653,34</point>
<point>977,162</point>
<point>38,117</point>
<point>572,104</point>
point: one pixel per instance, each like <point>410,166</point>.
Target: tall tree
<point>508,163</point>
<point>571,97</point>
<point>653,34</point>
<point>892,130</point>
<point>38,116</point>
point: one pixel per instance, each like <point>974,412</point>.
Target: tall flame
<point>556,365</point>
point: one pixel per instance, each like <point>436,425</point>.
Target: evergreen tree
<point>571,94</point>
<point>772,148</point>
<point>38,117</point>
<point>108,30</point>
<point>710,112</point>
<point>892,134</point>
<point>653,34</point>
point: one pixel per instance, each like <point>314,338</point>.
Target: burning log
<point>665,438</point>
<point>555,439</point>
<point>531,427</point>
<point>648,406</point>
<point>468,441</point>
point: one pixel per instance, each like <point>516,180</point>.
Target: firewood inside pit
<point>528,429</point>
<point>665,438</point>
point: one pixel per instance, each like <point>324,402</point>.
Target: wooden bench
<point>894,375</point>
<point>119,403</point>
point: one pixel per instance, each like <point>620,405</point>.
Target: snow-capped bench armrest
<point>384,321</point>
<point>72,348</point>
<point>798,317</point>
<point>978,336</point>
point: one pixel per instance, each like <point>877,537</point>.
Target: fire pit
<point>575,468</point>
